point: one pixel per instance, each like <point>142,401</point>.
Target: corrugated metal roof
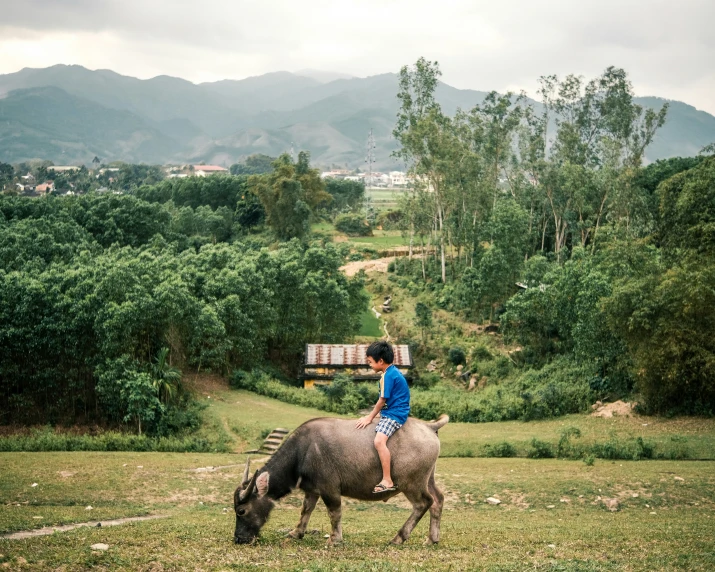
<point>350,355</point>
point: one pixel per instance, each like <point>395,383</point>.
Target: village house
<point>44,188</point>
<point>324,361</point>
<point>205,170</point>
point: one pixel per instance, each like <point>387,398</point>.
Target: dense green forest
<point>599,271</point>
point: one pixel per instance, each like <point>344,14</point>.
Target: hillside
<point>170,119</point>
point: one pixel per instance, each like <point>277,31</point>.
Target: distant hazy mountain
<point>70,114</point>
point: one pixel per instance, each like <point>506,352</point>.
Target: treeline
<point>104,298</point>
<point>545,220</point>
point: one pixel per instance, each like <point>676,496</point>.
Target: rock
<point>611,504</point>
<point>225,510</point>
<point>635,495</point>
<point>608,410</point>
<point>596,405</point>
<point>551,506</point>
<point>33,485</point>
<point>492,500</point>
<point>100,546</point>
<point>89,507</point>
<point>551,545</point>
<point>482,383</point>
<point>140,466</point>
<point>680,479</point>
<point>460,367</point>
<point>472,384</point>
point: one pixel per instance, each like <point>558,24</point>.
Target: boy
<point>393,405</point>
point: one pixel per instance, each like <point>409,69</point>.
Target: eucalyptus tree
<point>587,167</point>
<point>427,140</point>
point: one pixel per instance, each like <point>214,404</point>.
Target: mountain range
<point>69,114</point>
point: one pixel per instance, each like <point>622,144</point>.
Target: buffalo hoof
<point>397,540</point>
<point>295,535</point>
<point>430,542</point>
<point>335,541</point>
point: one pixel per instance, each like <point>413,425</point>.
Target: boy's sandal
<point>380,488</point>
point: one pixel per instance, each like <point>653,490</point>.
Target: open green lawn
<point>552,515</point>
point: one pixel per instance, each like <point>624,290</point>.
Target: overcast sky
<point>668,47</point>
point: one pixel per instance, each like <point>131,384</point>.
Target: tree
<point>423,318</point>
<point>166,379</point>
<point>257,164</point>
<point>288,195</point>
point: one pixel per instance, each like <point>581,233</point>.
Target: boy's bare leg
<point>385,457</point>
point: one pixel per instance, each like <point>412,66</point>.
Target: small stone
<point>492,500</point>
<point>326,536</point>
<point>100,546</point>
<point>225,510</point>
<point>564,500</point>
<point>37,517</point>
<point>140,466</point>
<point>652,513</point>
<point>551,506</point>
<point>124,465</point>
<point>460,367</point>
<point>99,525</point>
<point>201,502</point>
<point>635,495</point>
<point>20,560</point>
<point>472,383</point>
<point>33,485</point>
<point>611,504</point>
<point>680,479</point>
<point>552,546</point>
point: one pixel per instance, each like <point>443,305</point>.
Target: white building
<point>398,179</point>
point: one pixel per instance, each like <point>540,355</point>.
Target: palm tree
<point>167,379</point>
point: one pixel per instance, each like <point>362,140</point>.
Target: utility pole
<point>370,160</point>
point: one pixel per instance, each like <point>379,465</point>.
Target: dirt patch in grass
<point>64,528</point>
<point>206,383</point>
<point>620,408</point>
<point>377,265</point>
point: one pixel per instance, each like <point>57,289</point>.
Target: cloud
<point>666,47</point>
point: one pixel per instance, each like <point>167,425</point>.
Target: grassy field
<point>552,515</point>
<point>381,239</point>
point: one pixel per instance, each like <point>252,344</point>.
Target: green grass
<point>578,533</point>
<point>382,238</point>
<point>512,536</point>
<point>370,325</point>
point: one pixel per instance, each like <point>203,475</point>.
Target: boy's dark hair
<point>381,351</point>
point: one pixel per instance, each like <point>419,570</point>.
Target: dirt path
<point>377,265</point>
<point>64,528</point>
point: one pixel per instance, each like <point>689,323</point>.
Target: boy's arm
<point>367,419</point>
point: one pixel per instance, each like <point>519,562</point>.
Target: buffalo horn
<point>247,471</point>
<point>246,493</point>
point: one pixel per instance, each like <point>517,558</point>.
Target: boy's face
<point>376,365</point>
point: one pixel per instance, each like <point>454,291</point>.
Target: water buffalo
<point>329,458</point>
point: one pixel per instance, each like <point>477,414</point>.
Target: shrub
<point>504,449</point>
<point>540,450</point>
<point>425,380</point>
<point>457,356</point>
<point>353,225</point>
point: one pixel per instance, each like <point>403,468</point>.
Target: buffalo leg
<point>435,511</point>
<point>335,512</point>
<point>308,505</point>
<point>421,502</point>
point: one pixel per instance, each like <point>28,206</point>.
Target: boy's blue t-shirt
<point>393,387</point>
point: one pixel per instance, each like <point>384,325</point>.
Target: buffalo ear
<point>262,484</point>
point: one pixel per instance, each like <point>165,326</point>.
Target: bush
<point>425,380</point>
<point>47,440</point>
<point>353,225</point>
<point>457,356</point>
<point>504,449</point>
<point>540,450</point>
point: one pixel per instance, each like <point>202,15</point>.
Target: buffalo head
<point>252,506</point>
